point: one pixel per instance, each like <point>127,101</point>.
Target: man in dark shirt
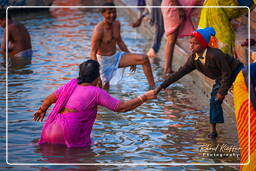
<point>214,64</point>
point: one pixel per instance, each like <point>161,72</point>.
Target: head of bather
<point>89,72</point>
<point>3,18</point>
<point>195,46</point>
<point>201,38</point>
<point>109,12</point>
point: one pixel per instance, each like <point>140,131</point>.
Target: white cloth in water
<point>109,71</point>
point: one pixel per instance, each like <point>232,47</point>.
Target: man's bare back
<point>19,38</point>
<point>16,43</point>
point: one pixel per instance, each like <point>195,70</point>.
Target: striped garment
<point>241,109</point>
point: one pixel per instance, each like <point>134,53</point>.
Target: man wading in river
<point>19,42</point>
<point>105,37</point>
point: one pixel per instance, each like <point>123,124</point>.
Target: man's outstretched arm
<point>185,69</point>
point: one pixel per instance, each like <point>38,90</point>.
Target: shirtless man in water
<point>19,42</point>
<point>105,37</point>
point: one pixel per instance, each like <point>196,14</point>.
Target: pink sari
<point>172,19</point>
<point>53,131</point>
<point>73,129</point>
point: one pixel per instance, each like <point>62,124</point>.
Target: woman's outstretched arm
<point>48,101</point>
<point>125,106</point>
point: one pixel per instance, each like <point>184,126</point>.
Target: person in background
<point>71,120</point>
<point>241,101</point>
<point>214,64</point>
<point>105,37</point>
<point>220,19</point>
<point>143,12</point>
<point>19,42</point>
<point>177,22</point>
<point>156,20</point>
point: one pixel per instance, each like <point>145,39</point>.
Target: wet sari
<point>73,129</point>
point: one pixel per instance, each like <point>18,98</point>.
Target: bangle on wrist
<point>41,109</point>
<point>144,98</point>
<point>141,99</point>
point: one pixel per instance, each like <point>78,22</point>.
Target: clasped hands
<point>152,94</point>
<point>218,96</point>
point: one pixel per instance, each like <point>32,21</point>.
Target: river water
<point>169,130</point>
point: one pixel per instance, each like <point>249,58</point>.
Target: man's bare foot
<point>213,135</point>
<point>151,53</point>
<point>138,22</point>
<point>168,71</point>
<point>154,60</point>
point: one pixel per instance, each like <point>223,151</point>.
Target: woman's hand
<point>132,104</point>
<point>150,95</point>
<point>39,115</point>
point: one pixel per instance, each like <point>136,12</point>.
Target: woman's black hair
<point>88,71</point>
<point>111,4</point>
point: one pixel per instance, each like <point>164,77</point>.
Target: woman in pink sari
<point>70,121</point>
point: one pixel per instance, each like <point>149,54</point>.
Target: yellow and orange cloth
<point>241,101</point>
<point>219,19</point>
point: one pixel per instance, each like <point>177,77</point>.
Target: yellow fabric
<point>219,19</point>
<point>241,108</point>
<point>252,165</point>
<point>240,92</point>
<point>204,56</point>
